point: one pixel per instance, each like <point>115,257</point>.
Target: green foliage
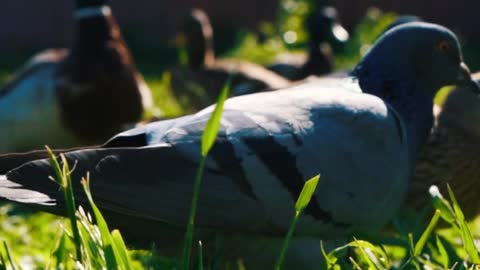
<point>95,246</point>
<point>208,139</point>
<point>424,238</point>
<point>65,181</point>
<point>302,202</point>
<point>213,125</point>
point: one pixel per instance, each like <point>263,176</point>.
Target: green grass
<point>36,240</point>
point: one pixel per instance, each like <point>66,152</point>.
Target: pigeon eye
<point>443,46</point>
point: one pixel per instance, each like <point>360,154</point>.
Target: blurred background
<point>253,30</point>
<point>30,24</point>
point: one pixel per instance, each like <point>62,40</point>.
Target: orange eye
<point>443,46</point>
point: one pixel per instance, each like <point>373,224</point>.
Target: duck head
<point>324,25</point>
<point>196,36</point>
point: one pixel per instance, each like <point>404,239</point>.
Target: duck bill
<point>339,33</point>
<point>464,79</point>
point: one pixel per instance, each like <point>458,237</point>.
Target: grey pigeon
<point>363,144</point>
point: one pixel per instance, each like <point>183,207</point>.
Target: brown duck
<point>77,96</point>
<point>325,35</point>
<point>198,85</point>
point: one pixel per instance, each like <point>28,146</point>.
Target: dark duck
<point>198,84</point>
<point>76,96</point>
<point>326,35</point>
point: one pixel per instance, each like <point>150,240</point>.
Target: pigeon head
<point>407,66</point>
<point>90,3</point>
<point>323,25</point>
<point>418,56</point>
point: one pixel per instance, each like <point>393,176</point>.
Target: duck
<point>82,95</point>
<point>326,34</point>
<point>199,83</point>
<point>450,155</point>
<point>268,144</point>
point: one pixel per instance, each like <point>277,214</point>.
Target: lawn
<point>35,239</point>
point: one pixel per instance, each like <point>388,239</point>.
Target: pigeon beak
<point>464,79</point>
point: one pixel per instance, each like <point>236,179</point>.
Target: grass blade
<point>108,248</point>
<point>307,193</point>
<point>213,125</point>
<point>286,242</point>
<point>121,249</point>
<point>302,202</point>
<point>446,211</point>
<point>208,139</point>
<point>187,246</point>
<point>443,253</point>
<point>467,237</point>
<point>456,207</point>
<point>3,265</point>
<point>426,234</point>
<point>60,252</point>
<point>9,256</point>
<point>64,179</point>
<point>200,255</point>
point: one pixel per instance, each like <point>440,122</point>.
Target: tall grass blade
<point>456,207</point>
<point>446,211</point>
<point>121,249</point>
<point>307,193</point>
<point>9,256</point>
<point>3,265</point>
<point>467,237</point>
<point>302,202</point>
<point>200,255</point>
<point>93,255</point>
<point>108,248</point>
<point>426,234</point>
<point>213,125</point>
<point>286,242</point>
<point>444,257</point>
<point>354,264</point>
<point>330,259</point>
<point>372,252</point>
<point>64,179</point>
<point>208,139</point>
<point>60,252</point>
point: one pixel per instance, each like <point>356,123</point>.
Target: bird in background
<point>77,96</point>
<point>325,33</point>
<point>451,154</point>
<point>199,83</point>
<point>268,145</point>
